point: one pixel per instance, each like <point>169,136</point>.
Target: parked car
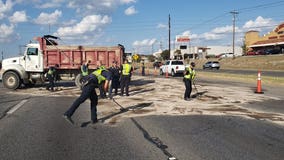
<point>211,65</point>
<point>251,53</point>
<point>273,51</point>
<point>227,55</point>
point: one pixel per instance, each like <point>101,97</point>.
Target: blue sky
<point>140,25</point>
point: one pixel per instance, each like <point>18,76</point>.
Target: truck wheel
<point>78,80</point>
<point>11,80</point>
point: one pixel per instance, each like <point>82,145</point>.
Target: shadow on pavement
<point>122,110</point>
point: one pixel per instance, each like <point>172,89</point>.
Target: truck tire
<point>11,80</point>
<point>78,80</point>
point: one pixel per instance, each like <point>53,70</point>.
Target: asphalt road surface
<point>36,130</point>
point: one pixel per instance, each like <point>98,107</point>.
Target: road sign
<point>135,57</point>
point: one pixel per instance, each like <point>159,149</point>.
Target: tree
<point>151,58</point>
<point>165,54</point>
<point>178,54</point>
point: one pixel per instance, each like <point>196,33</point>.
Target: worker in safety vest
<point>189,76</point>
<point>88,91</point>
<point>85,68</point>
<point>51,76</point>
<point>125,77</point>
<point>101,85</point>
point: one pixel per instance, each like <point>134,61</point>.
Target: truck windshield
<point>32,51</point>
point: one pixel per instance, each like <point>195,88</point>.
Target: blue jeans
<point>88,91</point>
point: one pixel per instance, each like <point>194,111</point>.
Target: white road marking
<point>12,110</point>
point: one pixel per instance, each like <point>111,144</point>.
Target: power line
<point>266,5</point>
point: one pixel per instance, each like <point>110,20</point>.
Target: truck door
<point>33,63</point>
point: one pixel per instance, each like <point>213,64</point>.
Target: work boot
<point>186,99</point>
<point>94,121</point>
<point>68,119</point>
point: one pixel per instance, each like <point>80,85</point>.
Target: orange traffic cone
<point>258,88</point>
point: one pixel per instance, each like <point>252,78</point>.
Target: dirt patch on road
<point>164,96</point>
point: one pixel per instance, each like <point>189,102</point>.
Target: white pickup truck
<point>172,67</point>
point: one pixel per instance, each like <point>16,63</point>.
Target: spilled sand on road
<point>164,96</point>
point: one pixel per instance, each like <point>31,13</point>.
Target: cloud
<point>162,26</point>
<point>215,34</point>
<point>145,42</point>
<point>259,24</point>
<point>88,27</point>
<point>130,11</point>
<point>51,4</point>
<point>6,32</point>
<point>127,1</point>
<point>97,6</point>
<point>46,19</point>
<point>188,33</point>
<point>18,16</point>
<point>48,5</point>
<point>210,36</point>
<point>5,7</point>
<point>221,30</point>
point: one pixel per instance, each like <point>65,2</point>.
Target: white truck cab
<point>23,69</point>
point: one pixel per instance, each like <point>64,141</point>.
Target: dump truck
<point>45,52</point>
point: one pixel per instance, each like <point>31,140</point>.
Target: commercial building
<point>274,40</point>
<point>183,50</point>
<point>194,52</point>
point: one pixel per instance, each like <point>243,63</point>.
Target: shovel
<point>122,109</point>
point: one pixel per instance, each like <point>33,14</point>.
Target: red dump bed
<point>72,57</point>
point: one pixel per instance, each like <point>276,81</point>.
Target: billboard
<point>182,39</point>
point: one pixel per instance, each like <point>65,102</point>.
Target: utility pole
<point>170,34</point>
<point>161,46</point>
<point>2,56</point>
<point>234,13</point>
<point>152,47</point>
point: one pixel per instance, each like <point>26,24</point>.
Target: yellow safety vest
<point>190,73</point>
<point>98,74</point>
<point>50,71</point>
<point>126,69</point>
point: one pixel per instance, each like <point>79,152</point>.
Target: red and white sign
<point>182,39</point>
